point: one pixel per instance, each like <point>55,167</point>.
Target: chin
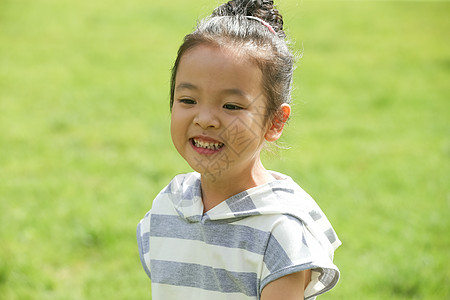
<point>211,167</point>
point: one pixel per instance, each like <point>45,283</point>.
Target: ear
<point>276,129</point>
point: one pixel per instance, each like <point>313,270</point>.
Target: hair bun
<point>263,9</point>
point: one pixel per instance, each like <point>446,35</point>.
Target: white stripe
<point>197,252</point>
<point>314,286</point>
<point>161,206</point>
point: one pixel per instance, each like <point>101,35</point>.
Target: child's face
<point>218,115</point>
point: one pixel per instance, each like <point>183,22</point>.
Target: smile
<point>207,145</point>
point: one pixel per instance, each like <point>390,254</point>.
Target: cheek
<point>179,124</point>
<point>174,128</point>
<point>242,138</point>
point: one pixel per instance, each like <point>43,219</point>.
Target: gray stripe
<point>141,249</point>
<point>222,234</point>
<point>241,202</point>
<point>168,189</point>
<point>331,235</point>
<point>204,277</point>
<point>279,189</point>
<point>328,277</point>
<point>146,242</point>
<point>275,257</point>
<point>315,215</point>
<point>191,192</point>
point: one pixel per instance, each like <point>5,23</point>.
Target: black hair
<point>228,26</point>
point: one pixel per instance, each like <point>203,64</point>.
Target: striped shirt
<point>235,249</point>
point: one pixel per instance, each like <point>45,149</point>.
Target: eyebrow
<point>236,92</point>
<point>186,85</point>
<point>231,91</point>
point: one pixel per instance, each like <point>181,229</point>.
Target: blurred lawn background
<point>85,145</point>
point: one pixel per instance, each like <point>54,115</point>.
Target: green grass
<point>85,146</point>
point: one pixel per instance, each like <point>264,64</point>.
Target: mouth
<point>206,146</point>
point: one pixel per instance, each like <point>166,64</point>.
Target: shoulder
<point>302,239</point>
<point>293,248</point>
<point>294,201</point>
<point>286,196</point>
<point>180,181</point>
<point>179,185</point>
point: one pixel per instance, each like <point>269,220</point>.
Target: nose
<point>206,118</point>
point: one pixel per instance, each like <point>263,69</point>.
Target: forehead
<point>231,52</point>
<point>208,66</point>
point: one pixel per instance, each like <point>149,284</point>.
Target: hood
<point>281,196</point>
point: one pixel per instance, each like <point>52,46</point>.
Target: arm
<point>289,287</point>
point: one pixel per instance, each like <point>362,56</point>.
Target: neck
<point>216,188</point>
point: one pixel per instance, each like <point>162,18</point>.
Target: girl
<point>232,229</point>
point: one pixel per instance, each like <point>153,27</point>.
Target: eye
<point>187,101</point>
<point>232,107</point>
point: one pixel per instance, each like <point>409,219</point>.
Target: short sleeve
<point>143,240</point>
<point>292,248</point>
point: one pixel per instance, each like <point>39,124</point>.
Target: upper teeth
<point>208,145</point>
